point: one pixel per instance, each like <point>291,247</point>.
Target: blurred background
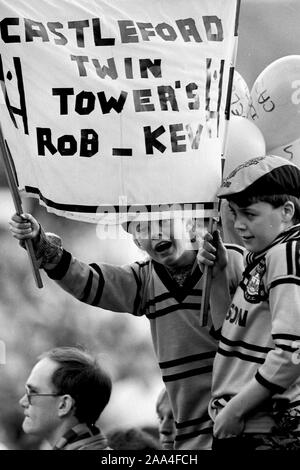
<point>33,320</point>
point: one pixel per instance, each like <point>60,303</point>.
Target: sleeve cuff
<point>269,385</point>
<point>61,268</point>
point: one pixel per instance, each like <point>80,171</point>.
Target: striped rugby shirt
<point>184,350</point>
<point>260,336</point>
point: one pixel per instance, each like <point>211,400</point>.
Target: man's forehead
<point>41,373</point>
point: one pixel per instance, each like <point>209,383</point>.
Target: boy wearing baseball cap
<point>255,401</point>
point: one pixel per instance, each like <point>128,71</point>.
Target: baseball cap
<point>264,175</point>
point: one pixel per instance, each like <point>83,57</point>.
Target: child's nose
<point>239,224</point>
<point>166,426</point>
<point>155,230</point>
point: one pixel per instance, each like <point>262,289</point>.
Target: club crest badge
<point>254,288</point>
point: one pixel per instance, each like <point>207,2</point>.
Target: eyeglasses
<point>29,395</point>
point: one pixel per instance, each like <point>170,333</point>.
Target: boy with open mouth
<point>167,288</point>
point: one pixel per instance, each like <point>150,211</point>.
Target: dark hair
<point>79,375</point>
<point>276,200</point>
<point>132,439</point>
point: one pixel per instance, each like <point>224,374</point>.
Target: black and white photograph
<point>149,230</point>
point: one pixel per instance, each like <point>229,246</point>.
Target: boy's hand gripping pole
<point>207,278</point>
<point>18,206</point>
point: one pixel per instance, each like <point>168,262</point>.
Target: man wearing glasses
<point>65,394</point>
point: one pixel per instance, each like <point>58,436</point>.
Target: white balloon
<point>240,96</point>
<point>275,102</point>
<point>245,141</point>
<point>289,151</point>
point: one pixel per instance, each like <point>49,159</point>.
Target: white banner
<point>116,106</point>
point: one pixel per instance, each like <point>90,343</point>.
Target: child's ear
<point>288,210</point>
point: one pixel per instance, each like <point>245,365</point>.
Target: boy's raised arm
<point>47,247</point>
<point>114,288</point>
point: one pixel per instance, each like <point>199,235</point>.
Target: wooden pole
<point>207,273</point>
<point>207,278</point>
<point>18,207</point>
